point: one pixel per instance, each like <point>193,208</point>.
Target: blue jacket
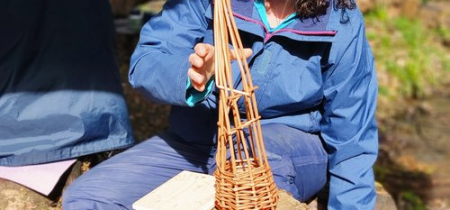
<point>317,76</point>
<point>60,92</point>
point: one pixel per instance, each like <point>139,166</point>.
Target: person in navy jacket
<point>60,91</point>
<point>317,90</point>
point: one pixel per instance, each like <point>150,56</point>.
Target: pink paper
<point>41,178</point>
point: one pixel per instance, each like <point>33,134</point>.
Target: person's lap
<point>297,159</point>
<point>124,178</point>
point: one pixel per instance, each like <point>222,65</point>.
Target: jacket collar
<point>311,29</point>
<point>246,8</point>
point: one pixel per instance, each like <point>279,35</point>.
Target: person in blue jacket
<point>317,91</point>
<point>60,91</point>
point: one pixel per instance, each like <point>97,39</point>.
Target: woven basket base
<point>248,188</point>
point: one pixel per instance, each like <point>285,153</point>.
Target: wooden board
<point>187,191</point>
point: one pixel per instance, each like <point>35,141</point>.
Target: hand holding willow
<point>202,64</point>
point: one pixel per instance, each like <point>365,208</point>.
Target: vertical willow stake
<point>243,177</point>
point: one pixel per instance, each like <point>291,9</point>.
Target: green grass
<point>443,32</point>
<point>407,53</point>
<point>415,202</point>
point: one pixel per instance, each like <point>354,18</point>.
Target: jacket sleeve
<point>159,64</point>
<point>348,126</point>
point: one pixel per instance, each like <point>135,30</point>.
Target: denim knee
<point>298,160</point>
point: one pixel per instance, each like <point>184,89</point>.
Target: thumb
<point>246,52</point>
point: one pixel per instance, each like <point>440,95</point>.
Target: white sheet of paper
<point>187,191</point>
<point>41,178</point>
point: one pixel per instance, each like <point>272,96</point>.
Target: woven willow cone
<point>243,176</point>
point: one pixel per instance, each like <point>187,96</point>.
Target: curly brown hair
<point>315,8</point>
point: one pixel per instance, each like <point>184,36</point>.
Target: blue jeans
<point>298,161</point>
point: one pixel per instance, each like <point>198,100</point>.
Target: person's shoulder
<point>354,16</point>
<point>348,24</point>
<point>349,19</point>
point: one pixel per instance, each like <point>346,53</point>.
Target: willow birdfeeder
<point>243,176</point>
